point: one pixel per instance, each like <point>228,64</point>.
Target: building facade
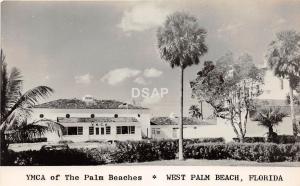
<point>168,128</point>
<point>95,120</point>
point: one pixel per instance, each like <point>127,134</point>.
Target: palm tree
<point>195,112</point>
<point>181,41</point>
<point>16,107</point>
<point>284,59</point>
<point>269,117</point>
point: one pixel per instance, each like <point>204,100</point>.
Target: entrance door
<point>175,132</point>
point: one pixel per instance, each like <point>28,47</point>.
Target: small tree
<point>269,117</point>
<point>195,112</point>
<point>284,59</point>
<point>230,87</point>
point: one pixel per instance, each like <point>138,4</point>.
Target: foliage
<point>269,117</point>
<point>251,139</point>
<point>230,87</point>
<point>141,151</point>
<point>181,43</point>
<point>195,111</point>
<point>65,141</point>
<point>284,59</point>
<point>260,152</point>
<point>296,99</point>
<point>181,40</point>
<point>16,106</point>
<point>31,140</point>
<point>284,54</point>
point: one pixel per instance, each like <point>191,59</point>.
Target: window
<point>67,115</point>
<point>73,131</point>
<point>132,129</point>
<point>139,115</point>
<point>116,115</point>
<point>102,130</point>
<point>155,131</point>
<point>80,130</point>
<point>119,130</point>
<point>41,115</point>
<point>107,130</point>
<point>97,131</point>
<point>92,115</point>
<point>125,129</point>
<point>91,130</point>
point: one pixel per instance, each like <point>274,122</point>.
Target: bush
<point>33,140</point>
<point>285,139</point>
<point>280,139</point>
<point>205,140</point>
<point>65,141</point>
<point>261,152</point>
<point>251,140</point>
<point>141,151</point>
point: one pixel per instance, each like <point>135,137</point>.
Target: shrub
<point>65,141</point>
<point>261,152</point>
<point>281,139</point>
<point>285,139</point>
<point>141,151</point>
<point>251,139</point>
<point>32,140</point>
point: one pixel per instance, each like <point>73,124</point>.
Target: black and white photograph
<point>151,83</point>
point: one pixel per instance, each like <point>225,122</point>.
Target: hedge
<point>281,139</point>
<point>141,151</point>
<point>33,140</point>
<point>260,152</point>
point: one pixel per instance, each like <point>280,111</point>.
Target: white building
<point>91,119</point>
<point>168,128</point>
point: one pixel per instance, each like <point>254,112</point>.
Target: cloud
<point>229,29</point>
<point>151,100</point>
<point>140,80</point>
<point>142,17</point>
<point>116,76</point>
<point>83,79</point>
<point>152,72</point>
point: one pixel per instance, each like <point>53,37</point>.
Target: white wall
<point>52,114</point>
<point>272,87</point>
<point>112,136</point>
<point>195,131</point>
<point>254,130</point>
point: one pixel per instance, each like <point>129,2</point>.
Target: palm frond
<point>14,88</point>
<point>284,54</point>
<point>269,116</point>
<point>30,98</point>
<point>4,83</point>
<point>50,125</point>
<point>181,41</point>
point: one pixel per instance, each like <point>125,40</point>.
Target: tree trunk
<point>4,143</point>
<point>295,130</point>
<point>180,144</point>
<point>201,110</point>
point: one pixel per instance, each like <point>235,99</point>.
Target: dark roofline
<point>167,121</point>
<point>96,119</point>
<point>79,104</point>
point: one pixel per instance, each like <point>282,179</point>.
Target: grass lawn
<point>203,162</point>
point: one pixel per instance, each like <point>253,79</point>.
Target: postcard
<point>156,92</point>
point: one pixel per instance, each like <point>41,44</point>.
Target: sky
<point>105,49</point>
